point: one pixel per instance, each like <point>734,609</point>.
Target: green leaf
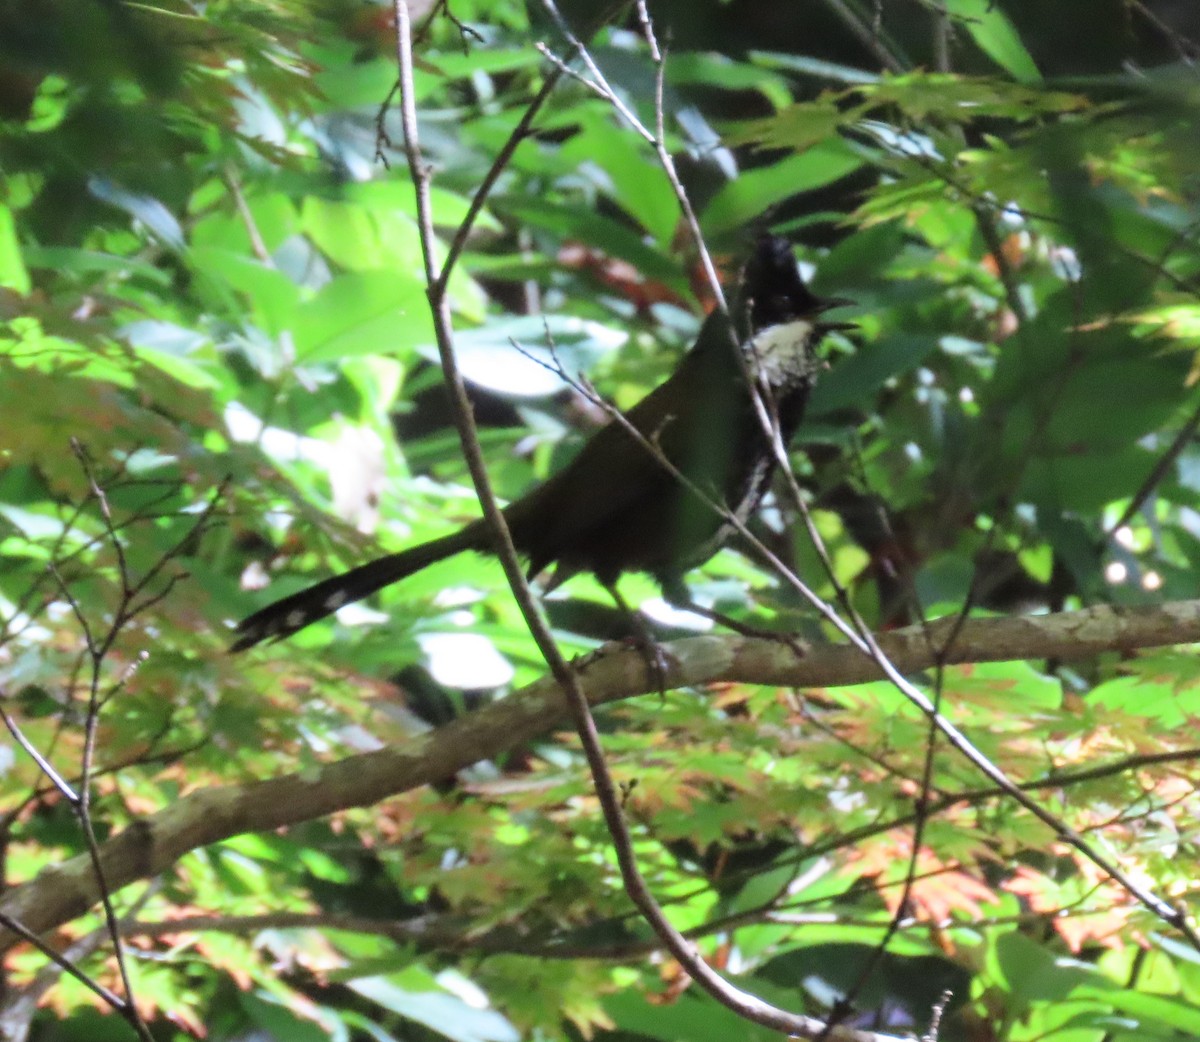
<point>1155,1012</point>
<point>991,29</point>
<point>719,71</point>
<point>854,379</point>
<point>1031,973</point>
<point>697,1020</point>
<point>741,202</point>
<point>817,68</point>
<point>69,259</point>
<point>363,313</point>
<point>1084,481</point>
<point>634,181</point>
<point>12,268</point>
<point>946,96</point>
<point>273,297</point>
<point>273,1017</point>
<point>798,127</point>
<point>614,238</point>
<point>487,61</point>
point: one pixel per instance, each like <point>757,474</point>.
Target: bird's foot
<point>653,655</point>
<point>642,638</point>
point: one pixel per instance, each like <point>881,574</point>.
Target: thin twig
<point>744,1004</point>
<point>46,767</point>
<point>64,963</point>
<point>866,34</point>
<point>20,1007</point>
<point>1159,471</point>
<point>1187,49</point>
<point>518,134</point>
<point>903,913</point>
<point>132,598</point>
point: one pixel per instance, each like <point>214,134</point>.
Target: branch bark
<point>152,845</point>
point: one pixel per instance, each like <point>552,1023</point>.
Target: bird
<point>615,508</point>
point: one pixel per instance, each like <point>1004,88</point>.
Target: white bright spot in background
<point>356,476</point>
<point>358,614</point>
<point>1152,581</point>
<point>470,992</point>
<point>1116,572</point>
<point>244,426</point>
<point>255,576</point>
<point>465,660</point>
<point>355,461</point>
<point>488,357</point>
<point>663,612</point>
<point>1124,536</point>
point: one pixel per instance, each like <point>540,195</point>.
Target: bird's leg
<point>676,594</point>
<point>651,651</point>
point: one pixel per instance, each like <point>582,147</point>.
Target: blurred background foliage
<point>209,273</point>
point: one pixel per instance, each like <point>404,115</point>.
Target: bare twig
<point>942,34</point>
<point>604,89</point>
<point>1187,49</point>
<point>867,35</point>
<point>133,596</point>
<point>935,1020</point>
<point>1159,471</point>
<point>65,962</point>
<point>921,817</point>
<point>985,218</point>
<point>46,767</point>
<point>18,1010</point>
<point>483,192</point>
<point>257,243</point>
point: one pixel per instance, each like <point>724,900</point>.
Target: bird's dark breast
<point>745,483</point>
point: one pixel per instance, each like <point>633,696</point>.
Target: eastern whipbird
<point>615,508</point>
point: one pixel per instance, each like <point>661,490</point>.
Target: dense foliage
<point>218,382</point>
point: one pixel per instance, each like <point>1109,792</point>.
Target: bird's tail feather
<point>284,617</point>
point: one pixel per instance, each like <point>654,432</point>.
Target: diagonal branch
<point>565,678</point>
<point>941,641</point>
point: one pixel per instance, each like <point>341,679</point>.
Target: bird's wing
<point>616,478</point>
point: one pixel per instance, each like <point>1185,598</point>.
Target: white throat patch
<point>779,352</point>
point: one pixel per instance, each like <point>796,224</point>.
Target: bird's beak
<point>828,304</point>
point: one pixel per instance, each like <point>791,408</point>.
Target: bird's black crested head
<point>773,293</point>
<point>779,317</point>
<point>772,288</point>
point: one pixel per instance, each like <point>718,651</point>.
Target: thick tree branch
<point>151,846</point>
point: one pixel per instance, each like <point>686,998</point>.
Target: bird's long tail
<point>284,617</point>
